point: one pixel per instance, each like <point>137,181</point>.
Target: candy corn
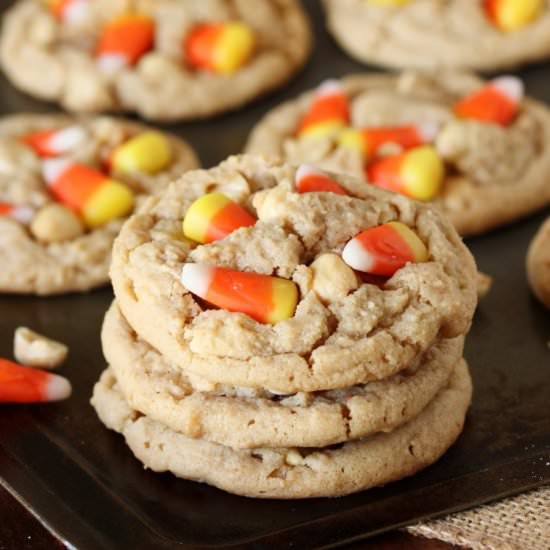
<point>220,47</point>
<point>97,198</point>
<point>149,152</point>
<point>309,179</point>
<point>124,40</point>
<point>418,173</point>
<point>20,384</point>
<point>384,249</point>
<point>511,15</point>
<point>388,3</point>
<point>213,217</point>
<point>50,143</point>
<point>264,298</point>
<point>18,212</point>
<point>69,11</point>
<point>370,140</point>
<point>328,113</point>
<point>497,102</point>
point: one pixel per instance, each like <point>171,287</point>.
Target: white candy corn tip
<point>23,214</point>
<point>76,11</point>
<point>305,170</point>
<point>511,86</point>
<point>53,168</point>
<point>329,87</point>
<point>428,131</point>
<point>197,278</point>
<point>57,388</point>
<point>67,139</point>
<point>110,63</point>
<point>357,257</point>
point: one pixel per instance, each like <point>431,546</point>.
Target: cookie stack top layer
<point>494,173</point>
<point>54,250</point>
<point>91,66</point>
<point>351,335</point>
<point>430,33</point>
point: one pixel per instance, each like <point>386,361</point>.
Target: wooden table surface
<point>19,530</point>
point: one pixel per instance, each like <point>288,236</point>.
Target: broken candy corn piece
<point>418,173</point>
<point>308,179</point>
<point>18,212</point>
<point>328,113</point>
<point>264,298</point>
<point>369,140</point>
<point>50,143</point>
<point>384,249</point>
<point>149,152</point>
<point>124,40</point>
<point>220,47</point>
<point>213,217</point>
<point>20,384</point>
<point>497,102</point>
<point>69,11</point>
<point>511,15</point>
<point>97,198</point>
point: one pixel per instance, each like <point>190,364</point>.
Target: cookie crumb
<point>36,350</point>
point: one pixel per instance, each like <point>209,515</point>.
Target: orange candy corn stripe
<point>264,298</point>
<point>20,384</point>
<point>50,143</point>
<point>328,112</point>
<point>213,217</point>
<point>308,179</point>
<point>384,249</point>
<point>18,212</point>
<point>497,102</point>
<point>124,40</point>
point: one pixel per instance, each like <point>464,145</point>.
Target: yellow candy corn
<point>111,200</point>
<point>387,3</point>
<point>149,152</point>
<point>511,15</point>
<point>235,48</point>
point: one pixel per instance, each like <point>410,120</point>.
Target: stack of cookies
<point>285,332</point>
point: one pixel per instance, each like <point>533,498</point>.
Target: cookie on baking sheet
<point>538,264</point>
<point>479,150</point>
<point>66,184</point>
<point>292,472</point>
<point>466,34</point>
<point>164,59</point>
<point>242,417</point>
<point>320,324</point>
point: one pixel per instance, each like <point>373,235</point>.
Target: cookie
<point>164,59</point>
<point>347,328</point>
<point>66,183</point>
<point>494,173</point>
<point>430,33</point>
<point>294,472</point>
<point>538,264</point>
<point>241,417</point>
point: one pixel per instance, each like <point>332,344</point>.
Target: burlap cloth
<point>517,523</point>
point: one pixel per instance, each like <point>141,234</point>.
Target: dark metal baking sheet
<point>82,482</point>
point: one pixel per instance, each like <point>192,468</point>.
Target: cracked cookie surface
<point>370,333</point>
<point>293,472</point>
<point>494,174</point>
<point>160,85</point>
<point>31,265</point>
<point>435,33</point>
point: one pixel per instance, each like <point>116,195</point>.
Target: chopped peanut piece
<point>35,350</point>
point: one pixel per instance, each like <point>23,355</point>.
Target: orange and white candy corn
<point>328,113</point>
<point>309,179</point>
<point>384,249</point>
<point>511,15</point>
<point>51,143</point>
<point>124,40</point>
<point>19,384</point>
<point>220,47</point>
<point>69,11</point>
<point>96,197</point>
<point>213,217</point>
<point>369,141</point>
<point>19,212</point>
<point>149,152</point>
<point>417,173</point>
<point>264,298</point>
<point>497,102</point>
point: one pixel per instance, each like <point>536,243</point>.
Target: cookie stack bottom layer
<point>243,441</point>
